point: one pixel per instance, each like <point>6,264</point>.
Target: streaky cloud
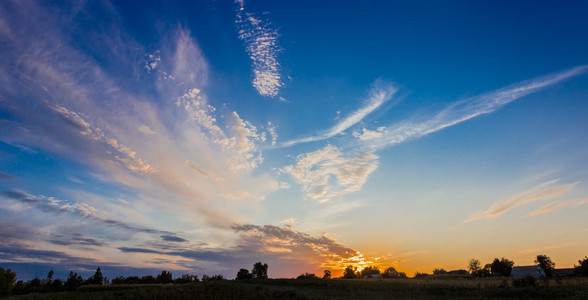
<point>82,210</point>
<point>551,207</point>
<point>379,94</point>
<point>542,192</point>
<point>467,109</point>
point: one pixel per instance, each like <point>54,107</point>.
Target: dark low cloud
<point>11,231</point>
<point>287,235</point>
<point>43,204</point>
<point>284,247</point>
<point>139,250</point>
<point>75,239</point>
<point>194,254</point>
<point>20,252</point>
<point>173,238</point>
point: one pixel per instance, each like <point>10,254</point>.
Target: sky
<point>204,136</point>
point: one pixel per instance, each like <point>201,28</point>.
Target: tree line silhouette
<point>498,267</point>
<point>9,285</point>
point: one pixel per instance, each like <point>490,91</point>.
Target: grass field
<point>429,288</point>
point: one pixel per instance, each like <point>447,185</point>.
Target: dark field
<point>446,288</point>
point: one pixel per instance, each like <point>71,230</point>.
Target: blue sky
<point>202,137</point>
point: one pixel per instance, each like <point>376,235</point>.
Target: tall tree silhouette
<point>73,281</point>
<point>502,266</point>
<point>368,271</point>
<point>350,272</point>
<point>7,280</point>
<point>259,271</point>
<point>164,277</point>
<point>546,264</point>
<point>97,279</point>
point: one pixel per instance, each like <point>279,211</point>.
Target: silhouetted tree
<point>137,280</point>
<point>212,278</point>
<point>164,277</point>
<point>217,277</point>
<point>501,266</point>
<point>327,274</point>
<point>56,285</point>
<point>420,275</point>
<point>350,272</point>
<point>7,280</point>
<point>546,264</point>
<point>52,285</point>
<point>148,279</point>
<point>50,275</point>
<point>368,271</point>
<point>307,276</point>
<point>390,272</point>
<point>474,266</point>
<point>243,274</point>
<point>439,271</point>
<point>19,288</point>
<point>259,271</point>
<point>35,284</point>
<point>97,279</point>
<point>186,278</point>
<point>582,268</point>
<point>118,280</point>
<point>73,281</point>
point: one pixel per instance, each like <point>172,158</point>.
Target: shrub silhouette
<point>243,274</point>
<point>307,276</point>
<point>582,268</point>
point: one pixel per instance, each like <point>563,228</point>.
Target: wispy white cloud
<point>549,208</point>
<point>152,60</point>
<point>124,154</point>
<point>243,143</point>
<point>261,43</point>
<point>367,134</point>
<point>542,192</point>
<point>328,173</point>
<point>469,108</point>
<point>379,94</point>
<point>241,138</point>
<point>146,130</point>
<point>188,65</point>
<point>271,128</point>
